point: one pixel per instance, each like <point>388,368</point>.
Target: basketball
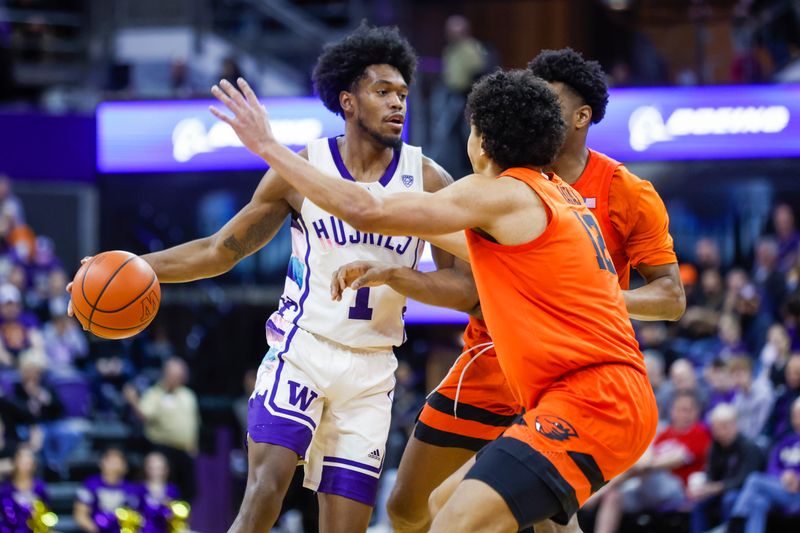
<point>115,295</point>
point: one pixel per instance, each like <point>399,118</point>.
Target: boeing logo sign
<point>191,137</point>
<point>647,125</point>
<point>182,136</point>
<point>660,124</point>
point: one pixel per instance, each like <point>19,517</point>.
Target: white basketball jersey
<point>371,317</point>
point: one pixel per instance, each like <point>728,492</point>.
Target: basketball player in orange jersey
<point>473,405</point>
<point>549,293</point>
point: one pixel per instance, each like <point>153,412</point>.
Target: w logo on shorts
<point>555,428</point>
<point>300,398</point>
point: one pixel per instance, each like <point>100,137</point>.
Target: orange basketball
<point>115,295</point>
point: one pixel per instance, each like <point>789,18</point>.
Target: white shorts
<point>331,405</point>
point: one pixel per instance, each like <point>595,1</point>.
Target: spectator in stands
<point>155,351</point>
<point>655,336</point>
<point>706,255</point>
<point>21,493</point>
<point>12,213</point>
<point>787,236</point>
<point>171,421</point>
<point>180,83</point>
<point>779,421</point>
<point>769,281</point>
<point>776,489</point>
<point>775,354</point>
<point>658,480</point>
<point>110,369</point>
<point>712,289</point>
<point>156,494</point>
<point>101,495</point>
<point>64,342</point>
<point>52,293</point>
<point>731,459</point>
<point>43,263</point>
<point>45,410</point>
<point>702,314</point>
<point>464,59</point>
<point>753,399</point>
<point>18,328</point>
<point>720,382</point>
<point>682,378</point>
<point>654,363</point>
<point>729,339</point>
<point>737,292</point>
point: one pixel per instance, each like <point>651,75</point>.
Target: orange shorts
<point>587,428</point>
<point>474,414</point>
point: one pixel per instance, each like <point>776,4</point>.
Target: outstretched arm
<point>453,287</point>
<point>448,210</point>
<point>249,230</point>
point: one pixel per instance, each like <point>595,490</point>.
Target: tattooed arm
<point>249,230</point>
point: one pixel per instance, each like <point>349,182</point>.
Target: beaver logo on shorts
<point>555,428</point>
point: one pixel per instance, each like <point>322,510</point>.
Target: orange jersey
<point>631,215</point>
<point>554,304</point>
<point>476,332</point>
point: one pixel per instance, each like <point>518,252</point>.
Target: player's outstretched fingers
<point>220,95</point>
<point>233,93</point>
<point>249,93</point>
<point>220,115</point>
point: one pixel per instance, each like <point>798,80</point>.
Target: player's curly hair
<point>519,117</point>
<point>583,76</point>
<point>342,64</point>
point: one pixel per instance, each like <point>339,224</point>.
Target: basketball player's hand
<point>70,311</point>
<point>360,274</point>
<point>250,120</point>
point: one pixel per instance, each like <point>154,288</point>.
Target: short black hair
<point>519,117</point>
<point>342,64</point>
<point>583,76</point>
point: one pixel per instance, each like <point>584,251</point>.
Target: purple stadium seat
<point>75,394</point>
<point>8,378</point>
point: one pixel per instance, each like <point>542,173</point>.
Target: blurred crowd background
<point>106,432</point>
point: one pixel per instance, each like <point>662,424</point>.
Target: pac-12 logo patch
<point>408,180</point>
<point>555,428</point>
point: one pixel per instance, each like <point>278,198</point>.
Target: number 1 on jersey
<point>595,235</point>
<point>361,310</point>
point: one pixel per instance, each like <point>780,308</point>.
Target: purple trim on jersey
<point>349,484</point>
<point>267,428</point>
<point>307,281</point>
<point>289,338</point>
<point>420,244</point>
<point>376,469</point>
<point>270,325</point>
<point>340,166</point>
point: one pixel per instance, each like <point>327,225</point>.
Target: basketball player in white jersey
<point>324,390</point>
